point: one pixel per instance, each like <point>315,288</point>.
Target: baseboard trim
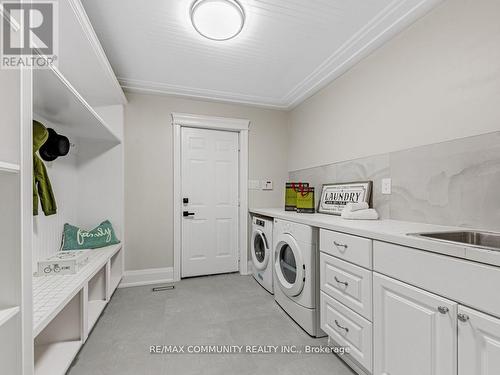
<point>147,277</point>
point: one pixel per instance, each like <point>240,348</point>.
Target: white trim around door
<point>240,126</point>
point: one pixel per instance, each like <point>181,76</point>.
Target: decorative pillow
<point>75,238</point>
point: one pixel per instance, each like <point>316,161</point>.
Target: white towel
<point>369,214</point>
<point>352,207</point>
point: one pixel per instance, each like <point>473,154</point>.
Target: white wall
<point>148,169</point>
<point>438,80</point>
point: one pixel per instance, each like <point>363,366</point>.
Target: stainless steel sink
<point>485,240</point>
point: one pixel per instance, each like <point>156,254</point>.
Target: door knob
<point>187,213</point>
<point>443,309</point>
<point>463,317</point>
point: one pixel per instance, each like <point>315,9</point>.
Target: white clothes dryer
<point>296,272</point>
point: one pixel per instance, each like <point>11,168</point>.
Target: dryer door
<point>260,250</point>
<point>289,266</point>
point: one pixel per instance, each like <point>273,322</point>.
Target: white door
<point>478,343</point>
<point>210,185</point>
<point>414,331</point>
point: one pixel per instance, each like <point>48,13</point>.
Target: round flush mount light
<point>217,19</point>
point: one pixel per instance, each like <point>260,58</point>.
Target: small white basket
<point>63,263</point>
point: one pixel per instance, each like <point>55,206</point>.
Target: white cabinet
<point>478,343</point>
<point>414,331</point>
<point>350,248</point>
<point>347,283</point>
<point>401,310</point>
<point>347,328</point>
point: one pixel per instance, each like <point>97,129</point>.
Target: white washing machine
<point>296,273</point>
<point>262,251</point>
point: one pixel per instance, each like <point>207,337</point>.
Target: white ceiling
<point>287,51</point>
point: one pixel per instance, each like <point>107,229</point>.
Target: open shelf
<point>95,309</point>
<point>7,314</point>
<point>55,358</point>
<point>9,167</point>
<point>10,345</point>
<point>57,101</point>
<point>97,298</point>
<point>56,345</point>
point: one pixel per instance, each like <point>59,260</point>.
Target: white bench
<point>66,308</point>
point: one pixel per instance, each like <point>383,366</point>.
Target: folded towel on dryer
<point>351,207</point>
<point>368,214</point>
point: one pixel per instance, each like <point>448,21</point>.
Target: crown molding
<point>393,19</point>
<point>94,42</point>
<point>157,88</point>
<point>397,16</point>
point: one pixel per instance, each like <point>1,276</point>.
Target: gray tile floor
<point>216,310</point>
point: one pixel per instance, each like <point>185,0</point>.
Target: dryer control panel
<point>260,223</point>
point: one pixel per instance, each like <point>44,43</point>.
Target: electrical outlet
<point>386,186</point>
<point>267,185</point>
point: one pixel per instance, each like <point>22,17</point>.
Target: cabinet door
<point>414,331</point>
<point>478,343</point>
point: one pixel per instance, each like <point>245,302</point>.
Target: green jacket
<point>41,183</point>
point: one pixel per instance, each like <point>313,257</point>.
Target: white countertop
<point>393,231</point>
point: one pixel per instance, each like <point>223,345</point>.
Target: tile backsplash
<point>451,183</point>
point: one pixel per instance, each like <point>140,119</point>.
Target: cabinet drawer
<point>467,282</point>
<point>347,283</point>
<point>347,328</point>
<point>353,249</point>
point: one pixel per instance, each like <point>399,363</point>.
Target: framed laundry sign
<point>334,197</point>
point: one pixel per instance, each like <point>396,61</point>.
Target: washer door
<point>260,250</point>
<point>288,265</point>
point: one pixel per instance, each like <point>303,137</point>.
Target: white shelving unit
<point>58,102</point>
<point>44,321</point>
<point>12,253</point>
<point>116,272</point>
<point>8,313</point>
<point>55,358</point>
<point>95,309</point>
<point>52,293</point>
<point>66,308</point>
<point>9,167</point>
<point>10,345</point>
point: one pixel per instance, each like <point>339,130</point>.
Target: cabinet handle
<point>443,309</point>
<point>341,282</point>
<point>340,244</point>
<point>344,328</point>
<point>463,317</point>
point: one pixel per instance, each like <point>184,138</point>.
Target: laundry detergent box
<point>63,263</point>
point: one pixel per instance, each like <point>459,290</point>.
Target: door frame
<point>241,126</point>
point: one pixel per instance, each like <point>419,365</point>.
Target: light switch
<point>386,186</point>
<point>267,185</point>
<point>253,185</point>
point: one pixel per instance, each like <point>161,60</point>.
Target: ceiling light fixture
<point>217,19</point>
